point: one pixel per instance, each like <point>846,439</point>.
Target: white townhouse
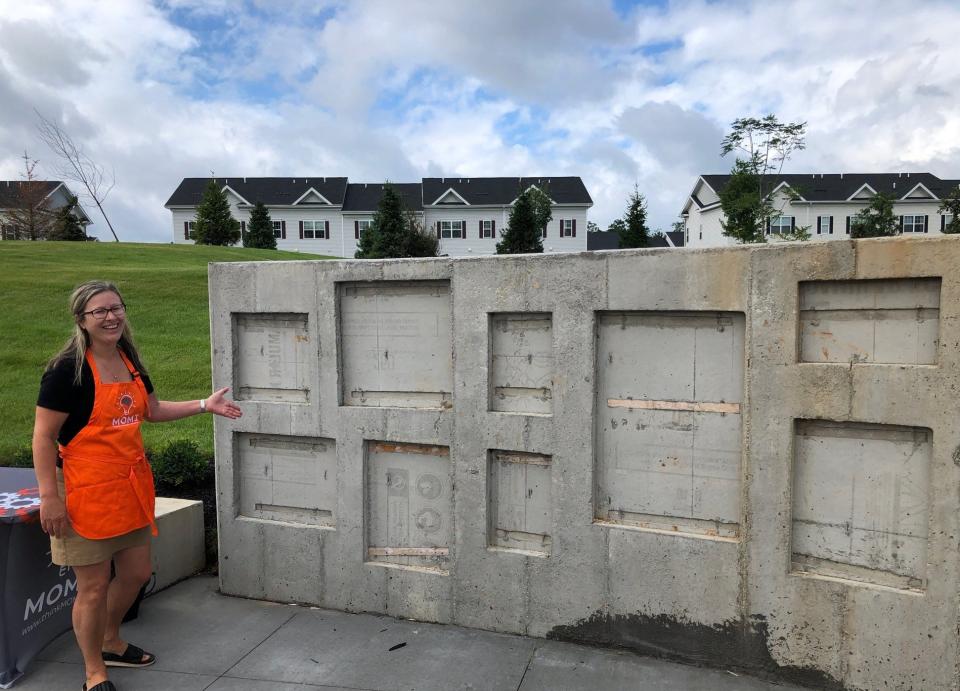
<point>328,215</point>
<point>55,195</point>
<point>825,204</point>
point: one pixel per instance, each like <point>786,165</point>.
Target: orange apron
<point>105,470</point>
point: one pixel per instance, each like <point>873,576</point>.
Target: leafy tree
<point>66,226</point>
<point>215,225</point>
<point>524,233</point>
<point>876,220</point>
<point>745,211</point>
<point>633,229</point>
<point>542,206</point>
<point>395,231</point>
<point>747,199</point>
<point>617,226</point>
<point>29,216</point>
<point>592,227</point>
<point>260,229</point>
<point>951,205</point>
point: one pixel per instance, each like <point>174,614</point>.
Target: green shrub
<point>181,464</point>
<point>22,458</point>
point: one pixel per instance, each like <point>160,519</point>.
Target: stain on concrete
<point>740,645</point>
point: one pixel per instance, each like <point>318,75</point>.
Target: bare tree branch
<point>77,166</point>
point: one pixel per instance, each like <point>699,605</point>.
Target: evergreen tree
<point>215,225</point>
<point>66,226</point>
<point>877,220</point>
<point>260,229</point>
<point>394,231</point>
<point>634,231</point>
<point>524,233</point>
<point>951,205</point>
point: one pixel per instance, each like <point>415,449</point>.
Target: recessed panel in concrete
<point>396,348</point>
<point>272,357</point>
<point>520,502</point>
<point>860,501</point>
<point>409,505</point>
<point>521,363</point>
<point>893,321</point>
<point>670,385</point>
<point>287,479</point>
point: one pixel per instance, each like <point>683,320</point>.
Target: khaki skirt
<point>76,550</point>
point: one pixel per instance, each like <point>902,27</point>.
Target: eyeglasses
<point>101,312</point>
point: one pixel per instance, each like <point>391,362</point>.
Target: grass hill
<point>165,288</point>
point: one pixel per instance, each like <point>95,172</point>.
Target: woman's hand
<point>53,516</point>
<point>219,404</point>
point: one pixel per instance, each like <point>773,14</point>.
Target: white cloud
<point>383,89</point>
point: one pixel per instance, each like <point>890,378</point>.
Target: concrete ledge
<point>178,550</point>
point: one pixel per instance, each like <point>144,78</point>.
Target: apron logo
<point>126,403</point>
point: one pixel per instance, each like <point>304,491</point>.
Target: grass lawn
<point>165,288</point>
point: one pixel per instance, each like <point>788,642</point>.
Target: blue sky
<point>619,93</point>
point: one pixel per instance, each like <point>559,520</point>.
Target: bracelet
<point>203,405</point>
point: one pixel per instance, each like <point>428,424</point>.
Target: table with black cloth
<point>36,594</point>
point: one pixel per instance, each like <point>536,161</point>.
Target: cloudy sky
<point>619,93</point>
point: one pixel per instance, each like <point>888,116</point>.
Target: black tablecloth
<point>37,594</point>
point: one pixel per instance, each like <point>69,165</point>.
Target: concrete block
<point>860,498</point>
<point>520,505</point>
<point>521,363</point>
<point>410,505</point>
<point>272,357</point>
<point>881,321</point>
<point>678,506</point>
<point>396,344</point>
<point>669,394</point>
<point>178,551</point>
<point>287,479</point>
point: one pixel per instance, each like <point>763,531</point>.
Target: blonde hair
<point>76,346</point>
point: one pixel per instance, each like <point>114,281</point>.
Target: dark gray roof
<point>10,191</point>
<point>605,240</point>
<point>270,191</point>
<point>502,191</point>
<point>366,196</point>
<point>819,187</point>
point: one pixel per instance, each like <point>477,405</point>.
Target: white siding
<point>806,215</point>
<point>473,244</point>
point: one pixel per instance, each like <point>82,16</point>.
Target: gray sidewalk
<point>204,640</point>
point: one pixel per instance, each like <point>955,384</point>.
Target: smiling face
<point>106,331</point>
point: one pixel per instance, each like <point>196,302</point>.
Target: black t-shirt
<point>58,392</point>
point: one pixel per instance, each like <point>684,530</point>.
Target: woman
<point>96,488</point>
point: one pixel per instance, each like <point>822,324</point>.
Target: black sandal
<point>131,657</point>
<point>102,686</point>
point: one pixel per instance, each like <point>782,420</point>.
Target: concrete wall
<point>745,457</point>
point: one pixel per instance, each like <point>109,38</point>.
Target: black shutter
<point>574,221</point>
<point>831,225</point>
<point>356,229</point>
<point>301,230</point>
<point>438,229</point>
<point>283,230</point>
<point>493,229</point>
<point>818,225</point>
<point>768,228</point>
<point>848,225</point>
<point>481,229</point>
<point>901,224</point>
<point>793,224</point>
<point>326,230</point>
<point>243,228</point>
<point>943,223</point>
<point>926,221</point>
<point>186,230</point>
